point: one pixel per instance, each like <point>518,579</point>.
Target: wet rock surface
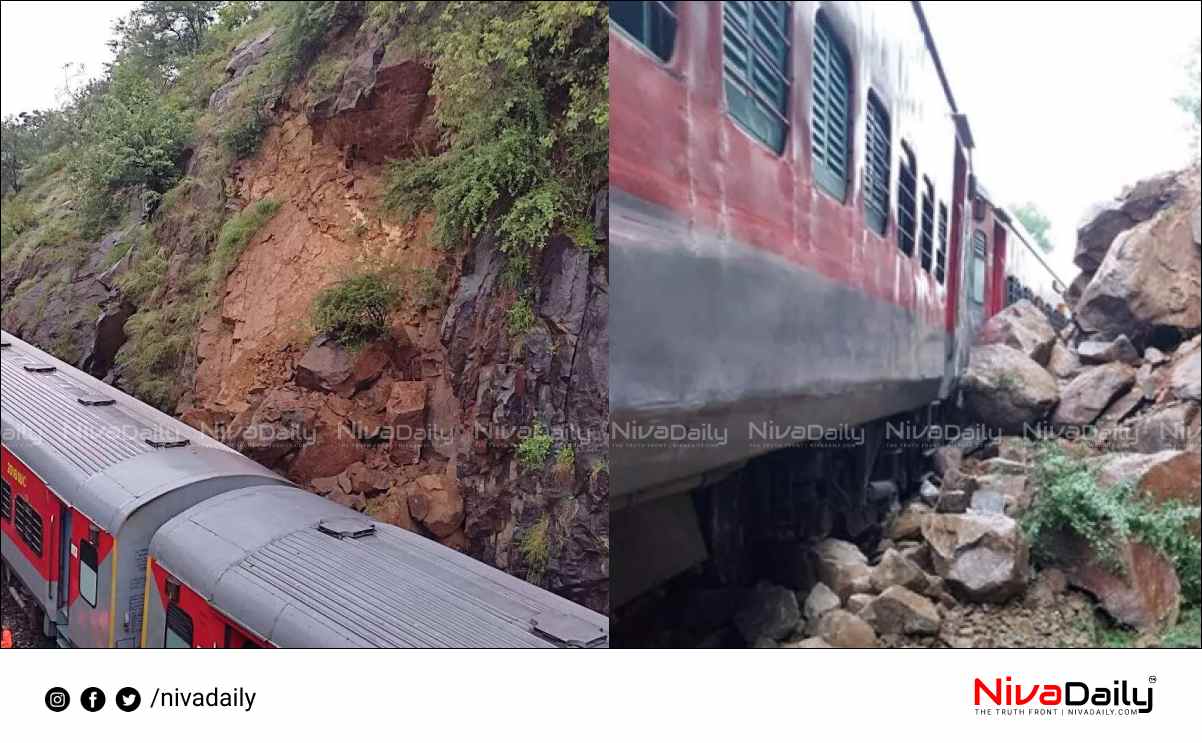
<point>1004,388</point>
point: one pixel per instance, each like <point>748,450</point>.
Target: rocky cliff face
<point>421,427</point>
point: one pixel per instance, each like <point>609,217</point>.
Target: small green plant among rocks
<point>356,311</point>
<point>533,450</point>
<point>520,317</point>
<point>535,546</point>
<point>565,463</point>
<point>1107,517</point>
<point>236,234</point>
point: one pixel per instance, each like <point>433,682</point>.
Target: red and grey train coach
<point>791,205</point>
<point>126,528</point>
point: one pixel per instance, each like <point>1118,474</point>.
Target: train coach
<point>127,528</point>
<point>792,205</point>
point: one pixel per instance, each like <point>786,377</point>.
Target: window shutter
<point>941,258</point>
<point>907,192</point>
<point>652,23</point>
<point>928,225</point>
<point>830,106</point>
<point>876,165</point>
<point>755,63</point>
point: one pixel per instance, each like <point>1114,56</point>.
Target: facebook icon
<point>92,699</point>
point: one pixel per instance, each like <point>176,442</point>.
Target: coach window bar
<point>978,267</point>
<point>755,68</point>
<point>907,193</point>
<point>88,568</point>
<point>877,159</point>
<point>830,111</point>
<point>652,24</point>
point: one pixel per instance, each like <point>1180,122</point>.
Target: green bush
<point>522,94</point>
<point>134,135</point>
<point>235,235</point>
<point>535,545</point>
<point>533,450</point>
<point>1069,498</point>
<point>242,135</point>
<point>356,310</point>
<point>519,319</point>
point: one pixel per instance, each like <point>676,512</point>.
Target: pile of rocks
<point>1121,382</point>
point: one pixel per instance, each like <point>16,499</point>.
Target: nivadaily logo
<point>1063,698</point>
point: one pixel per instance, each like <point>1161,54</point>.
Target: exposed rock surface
<point>898,610</point>
<point>768,612</point>
<point>981,557</point>
<point>819,601</point>
<point>842,629</point>
<point>1084,399</point>
<point>1100,352</point>
<point>1006,389</point>
<point>842,567</point>
<point>1021,326</point>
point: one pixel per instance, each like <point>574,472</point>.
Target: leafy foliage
<point>519,319</point>
<point>356,310</point>
<point>1036,222</point>
<point>535,545</point>
<point>236,235</point>
<point>134,136</point>
<point>533,450</point>
<point>1190,100</point>
<point>1107,517</point>
<point>522,91</point>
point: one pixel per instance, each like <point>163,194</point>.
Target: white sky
<point>1068,102</point>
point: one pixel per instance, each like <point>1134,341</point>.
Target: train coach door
<point>64,563</point>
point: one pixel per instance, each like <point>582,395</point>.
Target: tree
<point>1036,223</point>
<point>1190,101</point>
<point>163,33</point>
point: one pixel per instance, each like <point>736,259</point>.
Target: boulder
<point>324,366</point>
<point>405,413</point>
<point>810,643</point>
<point>1073,294</point>
<point>393,508</point>
<point>1084,398</point>
<point>900,611</point>
<point>907,523</point>
<point>819,601</point>
<point>953,501</point>
<point>842,629</point>
<point>1155,356</point>
<point>1138,587</point>
<point>768,611</point>
<point>1063,362</point>
<point>842,567</point>
<point>896,570</point>
<point>436,503</point>
<point>1147,285</point>
<point>1104,221</point>
<point>1046,588</point>
<point>1165,477</point>
<point>947,458</point>
<point>981,557</point>
<point>1122,407</point>
<point>1021,326</point>
<point>1001,493</point>
<point>1101,352</point>
<point>1000,465</point>
<point>367,481</point>
<point>857,601</point>
<point>1006,389</point>
<point>1163,428</point>
<point>1185,377</point>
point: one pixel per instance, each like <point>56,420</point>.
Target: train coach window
<point>755,68</point>
<point>907,193</point>
<point>653,24</point>
<point>28,523</point>
<point>88,563</point>
<point>830,111</point>
<point>876,165</point>
<point>977,289</point>
<point>6,501</point>
<point>928,224</point>
<point>179,628</point>
<point>941,256</point>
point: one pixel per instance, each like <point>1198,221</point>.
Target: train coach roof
<point>300,571</point>
<point>72,429</point>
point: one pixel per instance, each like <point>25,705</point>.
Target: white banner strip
<point>526,696</point>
